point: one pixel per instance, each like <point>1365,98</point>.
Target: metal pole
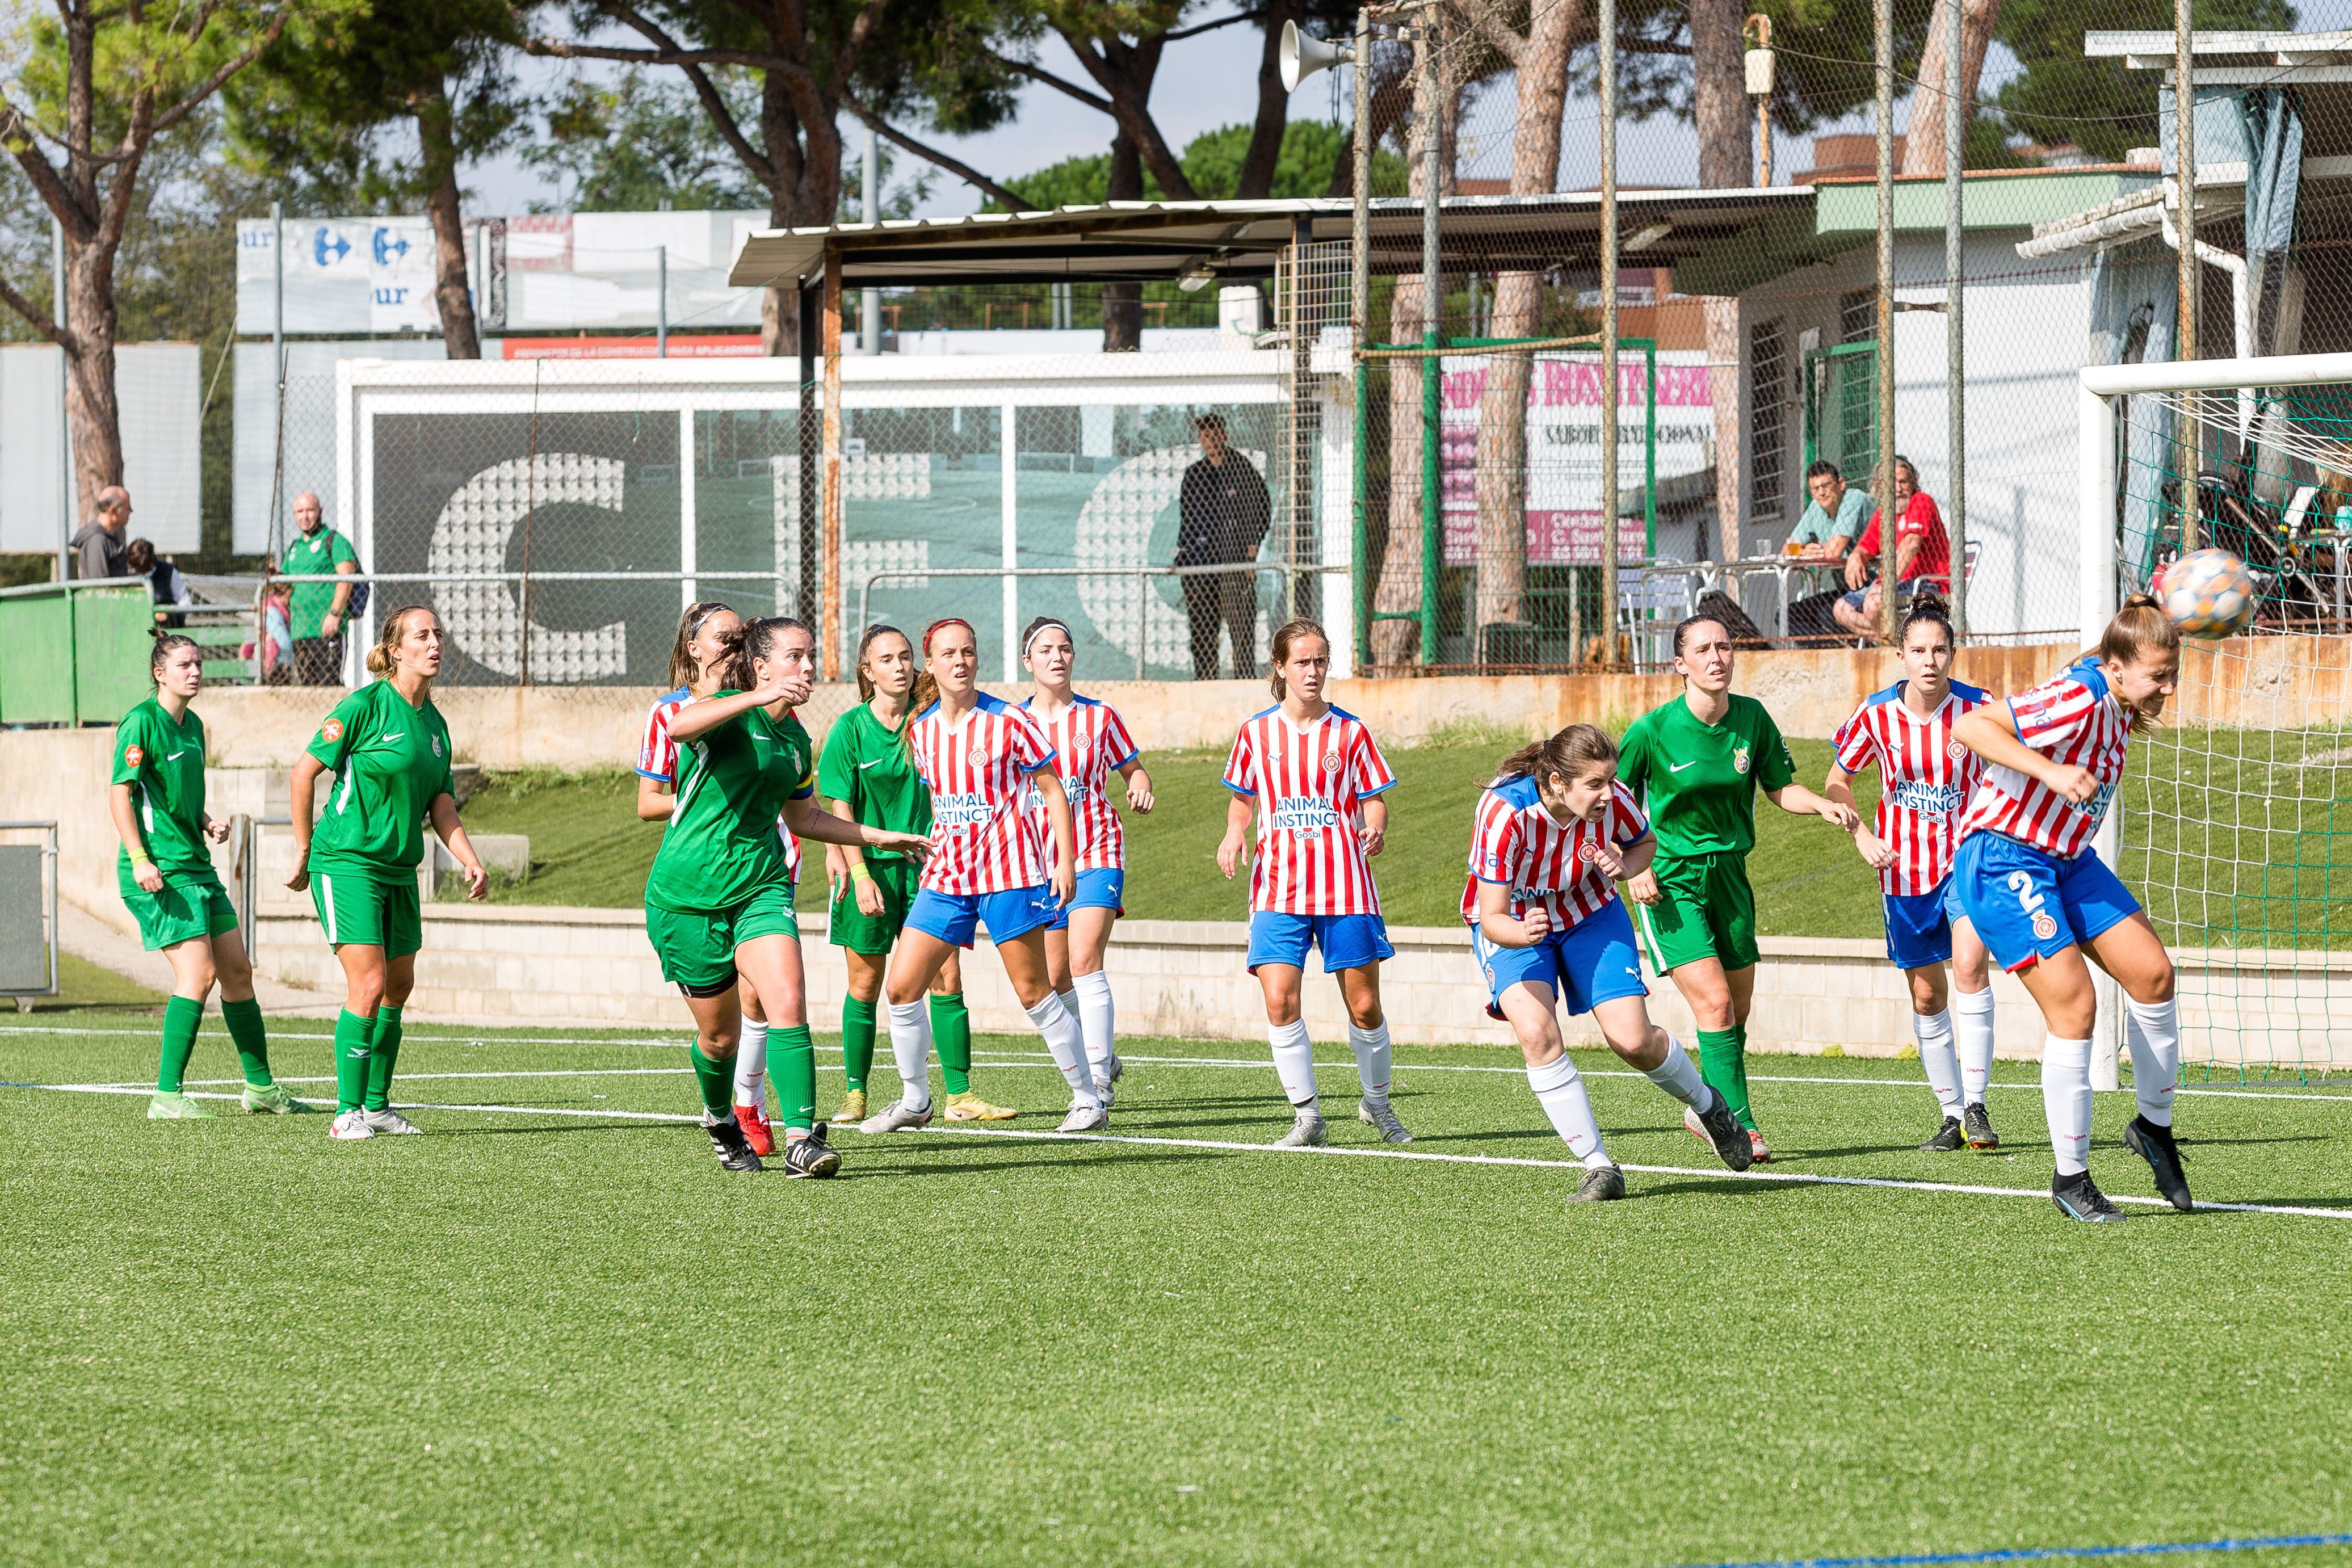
<point>1433,282</point>
<point>1887,521</point>
<point>1954,285</point>
<point>277,533</point>
<point>869,301</point>
<point>829,611</point>
<point>65,506</point>
<point>2184,164</point>
<point>1301,485</point>
<point>661,306</point>
<point>1607,27</point>
<point>807,304</point>
<point>1360,310</point>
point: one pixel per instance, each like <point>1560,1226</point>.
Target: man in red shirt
<point>1923,555</point>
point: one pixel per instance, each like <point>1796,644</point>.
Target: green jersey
<point>163,763</point>
<point>389,760</point>
<point>868,767</point>
<point>1698,781</point>
<point>722,843</point>
<point>307,554</point>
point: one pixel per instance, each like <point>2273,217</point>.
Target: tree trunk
<point>1723,389</point>
<point>1923,150</point>
<point>461,338</point>
<point>92,411</point>
<point>1122,303</point>
<point>1397,644</point>
<point>1726,149</point>
<point>1258,163</point>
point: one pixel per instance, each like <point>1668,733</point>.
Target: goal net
<point>2236,822</point>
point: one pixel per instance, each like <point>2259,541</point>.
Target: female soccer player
<point>719,901</point>
<point>1550,834</point>
<point>988,866</point>
<point>1697,763</point>
<point>390,753</point>
<point>1312,776</point>
<point>1924,780</point>
<point>1090,743</point>
<point>2042,899</point>
<point>166,877</point>
<point>868,775</point>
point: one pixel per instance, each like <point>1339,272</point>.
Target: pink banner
<point>1554,539</point>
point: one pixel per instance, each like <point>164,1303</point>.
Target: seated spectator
<point>164,583</point>
<point>1832,518</point>
<point>1923,555</point>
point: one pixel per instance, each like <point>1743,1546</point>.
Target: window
<point>1858,317</point>
<point>1768,405</point>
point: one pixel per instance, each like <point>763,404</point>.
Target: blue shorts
<point>1104,888</point>
<point>2028,905</point>
<point>1349,941</point>
<point>1919,924</point>
<point>1593,961</point>
<point>950,917</point>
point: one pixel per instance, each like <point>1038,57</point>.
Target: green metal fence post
<point>1359,580</point>
<point>1433,512</point>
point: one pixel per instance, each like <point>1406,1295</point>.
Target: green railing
<point>74,652</point>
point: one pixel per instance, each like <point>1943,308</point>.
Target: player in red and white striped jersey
<point>988,866</point>
<point>1924,777</point>
<point>1548,838</point>
<point>1313,778</point>
<point>1090,743</point>
<point>2048,907</point>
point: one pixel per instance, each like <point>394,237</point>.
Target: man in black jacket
<point>1222,514</point>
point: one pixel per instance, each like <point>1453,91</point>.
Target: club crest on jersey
<point>1957,750</point>
<point>2044,928</point>
<point>332,731</point>
<point>1586,850</point>
<point>436,746</point>
<point>134,756</point>
<point>1740,761</point>
<point>1331,759</point>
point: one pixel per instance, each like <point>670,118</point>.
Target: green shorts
<point>696,948</point>
<point>192,904</point>
<point>356,907</point>
<point>874,934</point>
<point>1709,912</point>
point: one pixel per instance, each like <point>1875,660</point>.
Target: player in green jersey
<point>166,877</point>
<point>867,776</point>
<point>389,751</point>
<point>1698,761</point>
<point>719,901</point>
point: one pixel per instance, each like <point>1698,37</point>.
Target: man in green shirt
<point>316,614</point>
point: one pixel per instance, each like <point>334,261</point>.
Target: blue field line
<point>2044,1553</point>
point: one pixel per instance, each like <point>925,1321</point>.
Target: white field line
<point>1801,1178</point>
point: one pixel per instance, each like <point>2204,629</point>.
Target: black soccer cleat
<point>734,1150</point>
<point>1948,1138</point>
<point>2078,1199</point>
<point>812,1156</point>
<point>1726,1136</point>
<point>1603,1184</point>
<point>1979,1127</point>
<point>2156,1146</point>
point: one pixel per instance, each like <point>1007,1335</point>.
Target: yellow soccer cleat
<point>970,1107</point>
<point>853,1109</point>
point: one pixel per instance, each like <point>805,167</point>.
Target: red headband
<point>932,630</point>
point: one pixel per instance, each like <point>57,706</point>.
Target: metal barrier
<point>23,913</point>
<point>77,651</point>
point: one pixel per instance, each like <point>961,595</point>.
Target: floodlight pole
<point>66,508</point>
<point>277,534</point>
<point>1956,484</point>
<point>2184,164</point>
<point>1360,310</point>
<point>1607,28</point>
<point>1888,523</point>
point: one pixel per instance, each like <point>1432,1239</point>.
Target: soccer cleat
<point>811,1156</point>
<point>754,1120</point>
<point>1603,1183</point>
<point>388,1120</point>
<point>1307,1131</point>
<point>1719,1130</point>
<point>853,1109</point>
<point>351,1126</point>
<point>1979,1127</point>
<point>1376,1113</point>
<point>1117,1068</point>
<point>2155,1145</point>
<point>271,1099</point>
<point>174,1106</point>
<point>970,1107</point>
<point>1948,1138</point>
<point>1106,1091</point>
<point>1759,1153</point>
<point>727,1141</point>
<point>2078,1199</point>
<point>1085,1118</point>
<point>898,1118</point>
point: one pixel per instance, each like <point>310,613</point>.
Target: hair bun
<point>2141,601</point>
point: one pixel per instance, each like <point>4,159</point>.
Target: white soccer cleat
<point>1374,1113</point>
<point>388,1120</point>
<point>351,1126</point>
<point>1085,1118</point>
<point>1307,1131</point>
<point>899,1118</point>
<point>1105,1092</point>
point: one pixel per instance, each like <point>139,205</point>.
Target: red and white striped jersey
<point>1090,743</point>
<point>1310,787</point>
<point>1924,780</point>
<point>2070,717</point>
<point>1516,841</point>
<point>657,760</point>
<point>983,838</point>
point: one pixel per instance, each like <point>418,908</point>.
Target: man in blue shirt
<point>1833,519</point>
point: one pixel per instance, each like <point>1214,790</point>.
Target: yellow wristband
<point>138,857</point>
<point>860,872</point>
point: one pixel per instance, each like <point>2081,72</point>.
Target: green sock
<point>354,1037</point>
<point>1720,1064</point>
<point>384,1057</point>
<point>792,1065</point>
<point>952,1037</point>
<point>856,1041</point>
<point>1739,1072</point>
<point>181,1016</point>
<point>717,1080</point>
<point>245,1028</point>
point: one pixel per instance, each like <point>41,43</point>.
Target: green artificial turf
<point>549,1332</point>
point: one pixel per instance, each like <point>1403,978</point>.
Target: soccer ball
<point>2207,593</point>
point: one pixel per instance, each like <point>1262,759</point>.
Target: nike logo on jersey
<point>177,756</point>
<point>1678,767</point>
<point>876,763</point>
<point>395,734</point>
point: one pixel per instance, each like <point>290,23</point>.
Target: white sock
<point>1972,1025</point>
<point>1097,1020</point>
<point>1678,1076</point>
<point>2066,1101</point>
<point>1560,1089</point>
<point>2155,1057</point>
<point>1372,1049</point>
<point>751,1065</point>
<point>1934,1033</point>
<point>911,1043</point>
<point>1060,1027</point>
<point>1294,1062</point>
